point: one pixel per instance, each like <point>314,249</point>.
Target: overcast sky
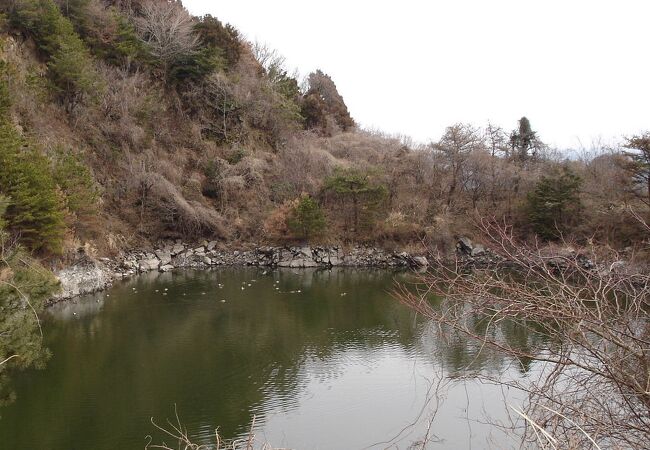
<point>578,69</point>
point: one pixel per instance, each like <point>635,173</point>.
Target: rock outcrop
<point>91,276</point>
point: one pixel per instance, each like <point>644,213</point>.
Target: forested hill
<point>127,122</point>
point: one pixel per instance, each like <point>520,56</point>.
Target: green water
<point>321,359</point>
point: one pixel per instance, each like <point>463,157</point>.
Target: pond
<point>322,359</point>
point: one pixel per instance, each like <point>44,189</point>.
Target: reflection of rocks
<point>88,307</point>
<point>95,276</point>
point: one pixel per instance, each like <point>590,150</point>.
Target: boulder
<point>166,268</point>
<point>465,245</point>
<point>165,257</point>
<point>420,261</point>
<point>478,250</point>
<point>149,264</point>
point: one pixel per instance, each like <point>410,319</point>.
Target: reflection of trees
<point>146,352</point>
<point>218,362</point>
<point>24,287</point>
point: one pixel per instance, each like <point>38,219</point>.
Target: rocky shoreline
<point>89,275</point>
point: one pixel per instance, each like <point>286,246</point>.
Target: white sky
<point>578,69</point>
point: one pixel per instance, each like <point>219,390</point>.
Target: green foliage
<point>224,39</point>
<point>211,187</point>
<point>4,204</point>
<point>554,205</point>
<point>306,219</point>
<point>70,68</point>
<point>108,34</point>
<point>236,156</point>
<point>360,198</point>
<point>35,212</point>
<point>24,288</point>
<point>77,183</point>
<point>639,164</point>
<point>524,141</point>
<point>195,66</point>
<point>5,96</point>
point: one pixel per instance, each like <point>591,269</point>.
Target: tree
<point>554,204</point>
<point>167,29</point>
<point>639,163</point>
<point>355,191</point>
<point>71,73</point>
<point>524,142</point>
<point>24,288</point>
<point>306,218</point>
<point>77,183</point>
<point>455,146</point>
<point>226,38</point>
<point>324,108</point>
<point>35,212</point>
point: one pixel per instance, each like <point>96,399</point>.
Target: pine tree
<point>356,192</point>
<point>306,219</point>
<point>639,163</point>
<point>554,205</point>
<point>524,141</point>
<point>36,211</point>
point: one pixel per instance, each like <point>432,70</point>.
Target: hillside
<point>128,122</point>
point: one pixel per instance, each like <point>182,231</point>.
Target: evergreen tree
<point>524,141</point>
<point>554,205</point>
<point>70,68</point>
<point>306,219</point>
<point>354,190</point>
<point>36,211</point>
<point>639,163</point>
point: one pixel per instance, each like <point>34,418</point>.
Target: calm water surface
<point>322,359</point>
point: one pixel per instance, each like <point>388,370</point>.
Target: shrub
<point>554,204</point>
<point>77,183</point>
<point>306,218</point>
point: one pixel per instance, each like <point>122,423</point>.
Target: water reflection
<point>324,359</point>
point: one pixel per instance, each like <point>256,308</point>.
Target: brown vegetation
<point>594,382</point>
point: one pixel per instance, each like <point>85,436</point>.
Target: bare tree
<point>167,28</point>
<point>594,391</point>
<point>455,147</point>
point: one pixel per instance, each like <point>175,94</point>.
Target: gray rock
<point>166,268</point>
<point>149,264</point>
<point>211,245</point>
<point>177,249</point>
<point>164,257</point>
<point>82,279</point>
<point>478,250</point>
<point>421,261</point>
<point>207,261</point>
<point>465,245</point>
